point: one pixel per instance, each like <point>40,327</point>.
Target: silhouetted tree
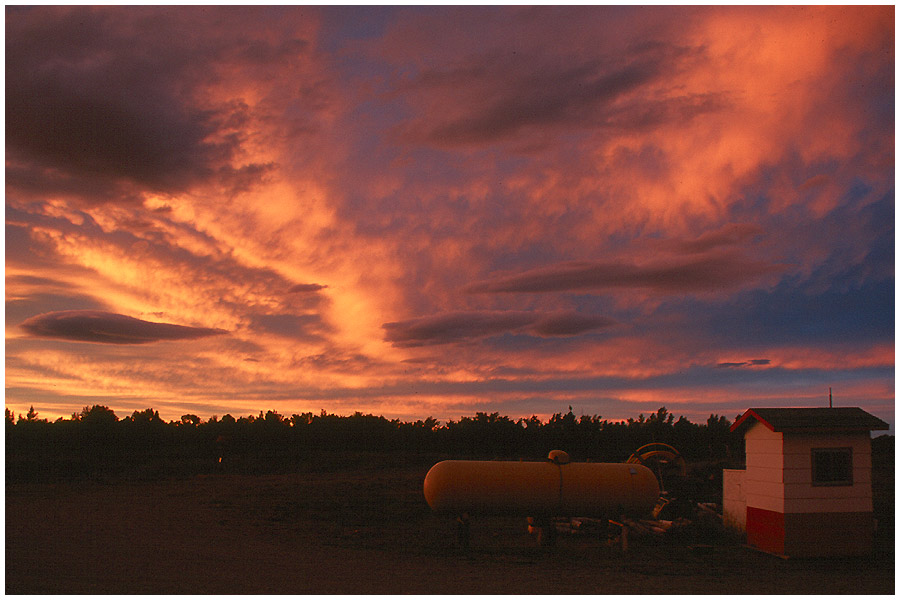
<point>272,418</point>
<point>96,441</point>
<point>32,416</point>
<point>148,416</point>
<point>192,420</point>
<point>304,419</point>
<point>98,415</point>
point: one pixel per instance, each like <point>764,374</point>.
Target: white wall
<point>764,480</point>
<point>734,499</point>
<point>802,497</point>
<point>779,472</point>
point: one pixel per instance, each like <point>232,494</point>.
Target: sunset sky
<point>419,212</point>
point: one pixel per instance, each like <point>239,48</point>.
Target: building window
<point>832,466</point>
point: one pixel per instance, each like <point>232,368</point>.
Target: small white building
<point>807,488</point>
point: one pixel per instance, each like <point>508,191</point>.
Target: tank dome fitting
<point>558,457</point>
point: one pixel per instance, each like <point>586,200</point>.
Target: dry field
<point>359,531</point>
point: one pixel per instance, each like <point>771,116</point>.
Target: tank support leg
<point>543,530</point>
<point>462,530</point>
<point>548,533</point>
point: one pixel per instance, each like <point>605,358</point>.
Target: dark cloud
<point>35,280</point>
<point>456,326</point>
<point>544,97</point>
<point>26,292</point>
<point>335,360</point>
<point>728,235</point>
<point>32,179</point>
<point>109,328</point>
<point>461,326</point>
<point>94,108</point>
<point>747,363</point>
<point>19,309</point>
<point>499,96</point>
<point>289,325</point>
<point>709,273</point>
<point>565,323</point>
<point>302,288</point>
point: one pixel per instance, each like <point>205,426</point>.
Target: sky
<point>436,211</point>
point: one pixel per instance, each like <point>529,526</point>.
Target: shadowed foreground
<point>355,531</point>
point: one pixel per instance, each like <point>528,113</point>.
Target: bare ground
<point>355,532</point>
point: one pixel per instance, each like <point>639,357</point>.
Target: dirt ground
<point>354,532</point>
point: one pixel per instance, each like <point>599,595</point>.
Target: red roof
<point>844,418</point>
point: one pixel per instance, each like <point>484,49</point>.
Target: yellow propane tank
<point>551,488</point>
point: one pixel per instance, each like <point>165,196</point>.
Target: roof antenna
<point>829,399</point>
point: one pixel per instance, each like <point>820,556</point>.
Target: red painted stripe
<point>765,530</point>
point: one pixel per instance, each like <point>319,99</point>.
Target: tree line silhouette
<point>97,443</point>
